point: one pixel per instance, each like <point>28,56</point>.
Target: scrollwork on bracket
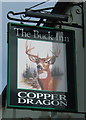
<point>79,9</point>
<point>11,16</point>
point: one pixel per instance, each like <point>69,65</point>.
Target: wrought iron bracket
<point>25,16</point>
<point>44,14</point>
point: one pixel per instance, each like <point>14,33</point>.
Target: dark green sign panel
<point>41,68</point>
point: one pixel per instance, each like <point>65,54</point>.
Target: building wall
<point>24,113</point>
<point>85,54</point>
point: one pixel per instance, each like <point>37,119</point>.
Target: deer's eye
<point>51,61</point>
<point>47,61</point>
<point>37,60</point>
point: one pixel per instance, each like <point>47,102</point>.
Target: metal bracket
<point>25,16</point>
<point>42,14</point>
<point>53,18</point>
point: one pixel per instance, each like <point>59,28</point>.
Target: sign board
<point>41,68</point>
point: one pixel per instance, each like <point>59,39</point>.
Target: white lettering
<point>22,94</point>
<point>21,100</point>
<point>31,95</point>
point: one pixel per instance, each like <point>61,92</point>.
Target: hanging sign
<point>41,68</point>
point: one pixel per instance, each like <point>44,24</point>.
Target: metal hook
<point>11,13</point>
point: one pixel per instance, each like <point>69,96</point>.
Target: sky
<point>5,7</point>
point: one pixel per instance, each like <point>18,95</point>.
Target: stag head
<point>42,63</point>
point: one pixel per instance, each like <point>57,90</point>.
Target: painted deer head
<point>43,66</point>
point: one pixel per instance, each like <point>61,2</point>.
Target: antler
<point>56,52</point>
<point>28,49</point>
<point>32,57</point>
<point>52,59</point>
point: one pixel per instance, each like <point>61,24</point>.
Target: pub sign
<point>41,68</point>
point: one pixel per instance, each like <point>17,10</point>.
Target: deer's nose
<point>39,66</point>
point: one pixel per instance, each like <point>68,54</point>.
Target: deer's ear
<point>33,58</point>
<point>50,60</point>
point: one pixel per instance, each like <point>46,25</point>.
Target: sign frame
<point>15,35</point>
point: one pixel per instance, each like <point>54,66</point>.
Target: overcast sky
<point>5,7</point>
